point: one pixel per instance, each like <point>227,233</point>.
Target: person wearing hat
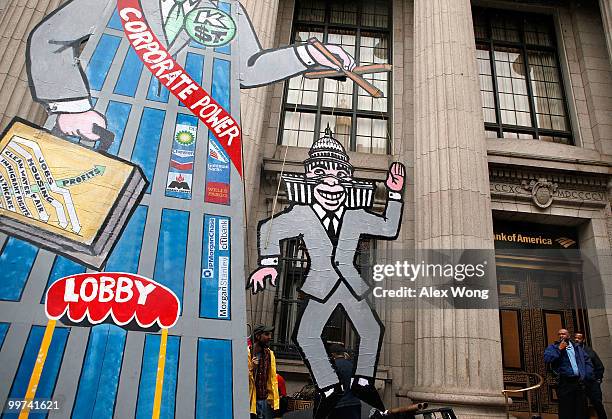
<point>263,384</point>
<point>331,214</point>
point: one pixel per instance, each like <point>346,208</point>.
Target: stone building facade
<point>474,171</point>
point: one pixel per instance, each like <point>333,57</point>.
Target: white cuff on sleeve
<point>273,261</point>
<point>72,106</point>
<point>396,196</point>
<point>302,52</point>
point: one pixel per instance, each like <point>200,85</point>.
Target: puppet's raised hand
<point>81,124</point>
<point>396,177</point>
<point>257,280</point>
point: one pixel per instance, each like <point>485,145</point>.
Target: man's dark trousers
<point>572,398</point>
<point>346,412</point>
<point>593,392</point>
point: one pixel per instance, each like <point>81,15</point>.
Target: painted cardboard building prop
<point>330,212</point>
<point>149,91</point>
<point>158,31</point>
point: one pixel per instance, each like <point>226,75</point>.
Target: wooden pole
<point>161,364</point>
<point>361,82</point>
<point>38,368</point>
<point>360,70</point>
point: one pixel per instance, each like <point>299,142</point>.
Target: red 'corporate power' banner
<point>159,62</point>
<point>94,297</point>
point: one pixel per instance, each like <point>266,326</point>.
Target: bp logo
<point>185,138</point>
<point>210,26</point>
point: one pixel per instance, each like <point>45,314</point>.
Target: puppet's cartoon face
<point>329,191</point>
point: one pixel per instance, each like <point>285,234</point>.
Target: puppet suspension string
<point>280,179</point>
<point>382,116</point>
<point>389,139</point>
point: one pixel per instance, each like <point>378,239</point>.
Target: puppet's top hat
<point>329,153</point>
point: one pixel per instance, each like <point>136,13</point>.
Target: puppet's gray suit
<point>333,280</point>
<point>56,77</point>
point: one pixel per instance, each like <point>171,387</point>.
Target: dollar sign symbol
<point>202,33</point>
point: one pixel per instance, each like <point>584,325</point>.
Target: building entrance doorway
<point>540,291</point>
<point>534,305</point>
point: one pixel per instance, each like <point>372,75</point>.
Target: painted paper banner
<point>215,297</point>
<point>161,64</point>
<point>180,173</point>
<point>94,298</point>
<point>217,174</point>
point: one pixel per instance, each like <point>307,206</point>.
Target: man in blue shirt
<point>573,367</point>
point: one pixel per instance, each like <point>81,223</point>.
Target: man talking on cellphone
<point>573,367</point>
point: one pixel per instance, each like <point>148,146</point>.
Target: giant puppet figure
<point>330,213</point>
<point>58,82</point>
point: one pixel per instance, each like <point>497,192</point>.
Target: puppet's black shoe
<point>363,388</point>
<point>327,399</point>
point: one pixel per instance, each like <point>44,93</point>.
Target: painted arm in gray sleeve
<point>273,231</point>
<point>386,225</point>
<point>53,67</point>
<point>259,67</point>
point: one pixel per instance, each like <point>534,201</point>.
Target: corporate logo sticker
<point>179,183</point>
<point>217,174</point>
<point>215,293</point>
<point>185,137</point>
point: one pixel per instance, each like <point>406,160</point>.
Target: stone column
<point>606,17</point>
<point>17,19</point>
<point>458,352</point>
<point>263,14</point>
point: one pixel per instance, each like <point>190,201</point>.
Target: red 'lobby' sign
<point>94,297</point>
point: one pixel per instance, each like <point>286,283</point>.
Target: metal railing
<point>525,390</point>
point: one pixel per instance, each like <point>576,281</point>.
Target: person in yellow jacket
<point>263,384</point>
